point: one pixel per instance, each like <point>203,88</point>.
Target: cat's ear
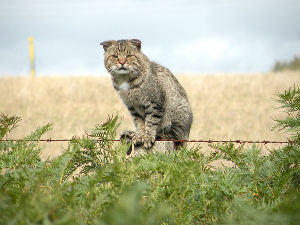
<point>107,44</point>
<point>137,43</point>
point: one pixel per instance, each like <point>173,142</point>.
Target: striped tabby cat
<point>157,102</point>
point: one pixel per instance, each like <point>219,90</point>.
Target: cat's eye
<point>115,56</point>
<point>128,56</point>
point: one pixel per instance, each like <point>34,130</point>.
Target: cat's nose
<point>122,61</point>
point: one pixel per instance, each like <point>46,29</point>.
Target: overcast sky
<point>191,36</point>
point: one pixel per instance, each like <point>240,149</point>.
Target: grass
<point>224,106</point>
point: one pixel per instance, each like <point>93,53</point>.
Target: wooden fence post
<point>159,146</point>
<point>31,57</point>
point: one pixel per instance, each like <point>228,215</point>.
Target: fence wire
<point>174,140</point>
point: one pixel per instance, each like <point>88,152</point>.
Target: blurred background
<point>217,39</point>
<point>188,37</point>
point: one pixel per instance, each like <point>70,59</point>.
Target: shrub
<point>293,64</point>
<point>92,182</point>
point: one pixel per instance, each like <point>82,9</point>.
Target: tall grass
<point>235,107</point>
<point>93,182</point>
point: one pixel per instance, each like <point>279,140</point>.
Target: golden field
<point>224,106</point>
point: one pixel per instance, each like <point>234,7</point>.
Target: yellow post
<point>31,56</point>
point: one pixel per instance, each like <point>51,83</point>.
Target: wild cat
<point>157,102</point>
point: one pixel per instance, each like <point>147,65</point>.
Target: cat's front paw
<point>137,139</point>
<point>131,136</point>
<point>127,135</point>
<point>149,141</point>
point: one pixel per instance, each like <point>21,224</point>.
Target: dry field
<point>225,106</point>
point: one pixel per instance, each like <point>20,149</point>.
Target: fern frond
<point>93,152</point>
<point>7,124</point>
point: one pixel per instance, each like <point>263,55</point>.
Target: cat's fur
<point>157,102</point>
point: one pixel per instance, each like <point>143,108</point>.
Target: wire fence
<point>174,140</point>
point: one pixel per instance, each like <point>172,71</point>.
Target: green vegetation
<point>293,64</point>
<point>93,182</point>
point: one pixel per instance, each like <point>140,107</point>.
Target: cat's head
<point>123,56</point>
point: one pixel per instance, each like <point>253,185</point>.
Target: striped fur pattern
<point>157,102</point>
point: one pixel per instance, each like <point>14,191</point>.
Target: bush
<point>294,64</point>
<point>93,182</point>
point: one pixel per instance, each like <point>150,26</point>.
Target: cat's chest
<point>131,93</point>
<point>128,95</point>
<point>124,86</point>
<point>121,84</point>
<point>131,96</point>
